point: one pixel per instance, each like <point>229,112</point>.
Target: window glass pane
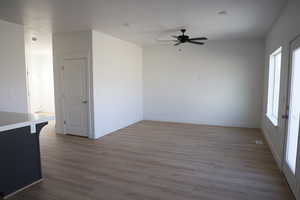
<point>274,86</point>
<point>271,86</point>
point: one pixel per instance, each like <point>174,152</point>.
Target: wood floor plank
<point>159,161</point>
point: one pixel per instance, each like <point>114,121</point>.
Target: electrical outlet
<point>259,142</point>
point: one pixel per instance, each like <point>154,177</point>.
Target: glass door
<point>291,162</point>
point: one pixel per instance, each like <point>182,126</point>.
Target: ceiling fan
<point>185,38</point>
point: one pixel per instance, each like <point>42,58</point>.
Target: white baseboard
<point>205,123</point>
<point>273,150</point>
<point>106,132</point>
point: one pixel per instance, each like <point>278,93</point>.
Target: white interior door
<point>292,157</point>
<point>75,100</point>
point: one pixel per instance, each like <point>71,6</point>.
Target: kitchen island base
<point>20,165</point>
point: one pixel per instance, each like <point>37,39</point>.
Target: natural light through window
<point>274,86</point>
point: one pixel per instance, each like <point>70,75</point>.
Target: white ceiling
<point>145,21</point>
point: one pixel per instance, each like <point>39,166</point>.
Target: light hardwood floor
<point>157,160</point>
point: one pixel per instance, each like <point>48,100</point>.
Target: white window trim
<point>273,118</point>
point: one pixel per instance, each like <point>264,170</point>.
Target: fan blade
<point>167,40</point>
<point>199,38</point>
<point>174,36</point>
<point>201,43</point>
<point>178,43</point>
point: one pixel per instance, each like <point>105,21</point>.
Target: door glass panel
<point>294,113</point>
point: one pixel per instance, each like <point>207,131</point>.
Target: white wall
<point>65,44</point>
<point>220,83</point>
<point>117,81</point>
<point>12,68</point>
<point>282,33</point>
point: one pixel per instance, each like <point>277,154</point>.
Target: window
<point>274,86</point>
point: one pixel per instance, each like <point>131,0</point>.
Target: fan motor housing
<point>183,38</point>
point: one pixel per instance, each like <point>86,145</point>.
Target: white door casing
<point>75,96</point>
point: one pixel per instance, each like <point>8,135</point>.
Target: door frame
<point>89,90</point>
<point>285,167</point>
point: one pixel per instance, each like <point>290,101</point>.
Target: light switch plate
<point>33,128</point>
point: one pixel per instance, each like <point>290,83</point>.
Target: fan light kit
<point>126,24</point>
<point>222,12</point>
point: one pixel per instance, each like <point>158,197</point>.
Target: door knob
<point>85,102</point>
<point>284,116</point>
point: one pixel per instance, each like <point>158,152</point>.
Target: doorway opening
<point>40,79</point>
